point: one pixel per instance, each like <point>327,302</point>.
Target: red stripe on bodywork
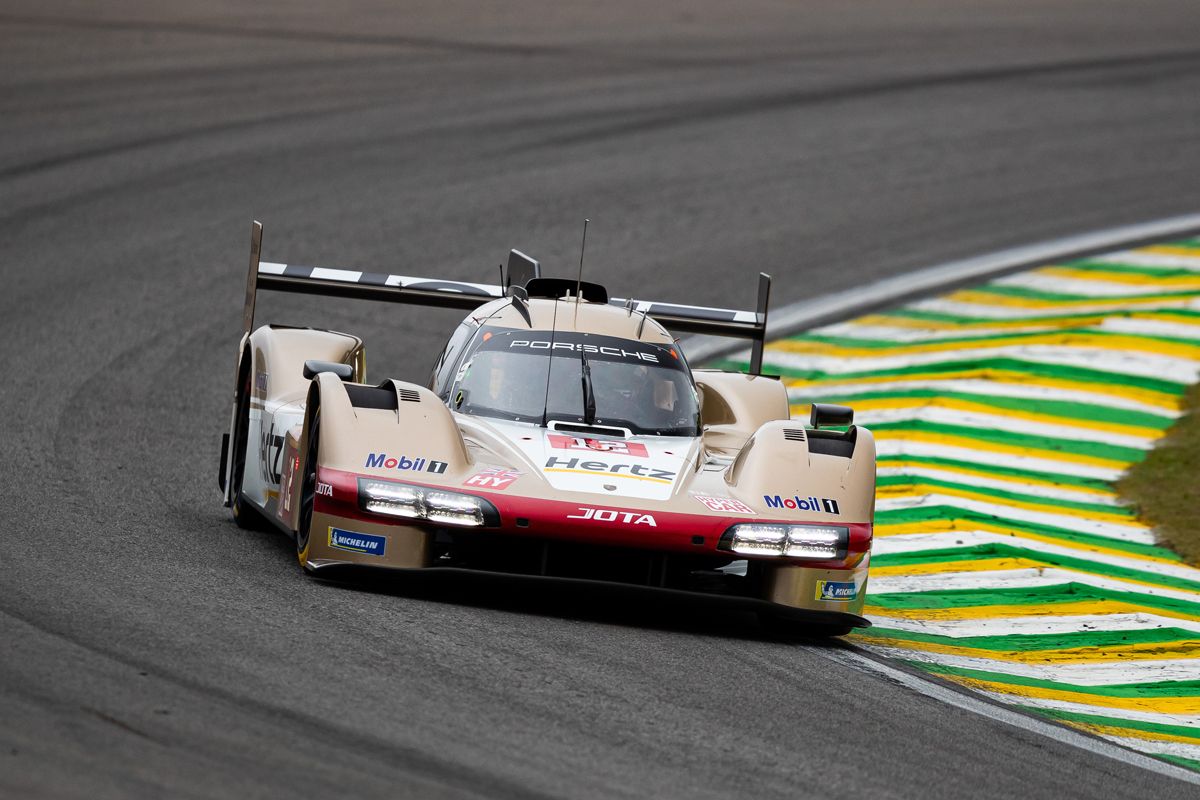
<point>549,519</point>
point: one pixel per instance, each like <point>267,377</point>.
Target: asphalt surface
<point>149,648</point>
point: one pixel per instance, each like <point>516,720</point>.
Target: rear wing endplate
<point>362,285</point>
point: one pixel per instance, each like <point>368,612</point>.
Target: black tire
<point>244,513</point>
<point>308,488</point>
<point>787,627</point>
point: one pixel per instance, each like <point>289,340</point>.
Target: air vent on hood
<point>409,395</point>
<point>595,430</point>
<point>794,434</point>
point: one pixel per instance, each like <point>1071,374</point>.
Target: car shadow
<point>590,601</point>
<point>598,602</point>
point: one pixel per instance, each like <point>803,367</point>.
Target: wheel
<point>779,625</point>
<point>308,488</point>
<point>244,514</point>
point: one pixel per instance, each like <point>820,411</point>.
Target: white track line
<point>1134,258</point>
<point>1181,749</point>
<point>951,540</point>
<point>998,388</point>
<point>1068,430</point>
<point>1117,362</point>
<point>1085,287</point>
<point>1018,579</point>
<point>1140,533</point>
<point>913,335</point>
<point>981,310</point>
<point>1082,674</point>
<point>1035,626</point>
<point>1099,711</point>
<point>839,306</point>
<point>1151,327</point>
<point>985,457</point>
<point>915,474</point>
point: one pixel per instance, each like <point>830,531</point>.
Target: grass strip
<point>1163,487</point>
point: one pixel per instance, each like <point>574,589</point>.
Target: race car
<point>561,433</point>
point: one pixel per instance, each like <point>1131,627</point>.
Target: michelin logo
<point>838,591</point>
<point>384,461</point>
<point>365,543</point>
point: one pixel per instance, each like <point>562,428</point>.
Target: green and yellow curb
<point>1004,413</point>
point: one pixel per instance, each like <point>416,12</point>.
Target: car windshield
<point>603,380</point>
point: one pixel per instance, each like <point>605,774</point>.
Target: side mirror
<point>313,367</point>
<point>827,414</point>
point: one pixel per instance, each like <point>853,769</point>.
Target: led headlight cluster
<point>431,505</point>
<point>820,542</point>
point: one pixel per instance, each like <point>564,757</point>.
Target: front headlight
<point>432,505</point>
<point>818,542</point>
<point>393,499</point>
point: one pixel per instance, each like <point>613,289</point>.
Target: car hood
<point>643,467</point>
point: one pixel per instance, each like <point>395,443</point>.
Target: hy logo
<point>493,478</point>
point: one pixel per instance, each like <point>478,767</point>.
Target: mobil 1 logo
<point>404,463</point>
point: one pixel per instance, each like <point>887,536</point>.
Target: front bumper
<point>562,540</point>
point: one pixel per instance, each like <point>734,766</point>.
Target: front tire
<point>308,489</point>
<point>245,514</point>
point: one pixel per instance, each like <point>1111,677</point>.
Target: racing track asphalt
<point>149,648</point>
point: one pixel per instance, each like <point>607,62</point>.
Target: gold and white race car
<point>562,434</point>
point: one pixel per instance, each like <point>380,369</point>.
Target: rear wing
<point>362,285</point>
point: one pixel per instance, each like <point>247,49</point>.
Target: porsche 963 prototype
<point>561,433</point>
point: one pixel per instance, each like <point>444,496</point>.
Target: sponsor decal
<point>270,454</point>
<point>609,515</point>
<point>636,470</point>
<point>726,504</point>
<point>366,543</point>
<point>291,465</point>
<point>579,347</point>
<point>260,381</point>
<point>324,489</point>
<point>618,447</point>
<point>840,591</point>
<point>493,478</point>
<point>823,504</point>
<point>384,461</point>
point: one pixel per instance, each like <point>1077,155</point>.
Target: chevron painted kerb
<point>1003,559</point>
